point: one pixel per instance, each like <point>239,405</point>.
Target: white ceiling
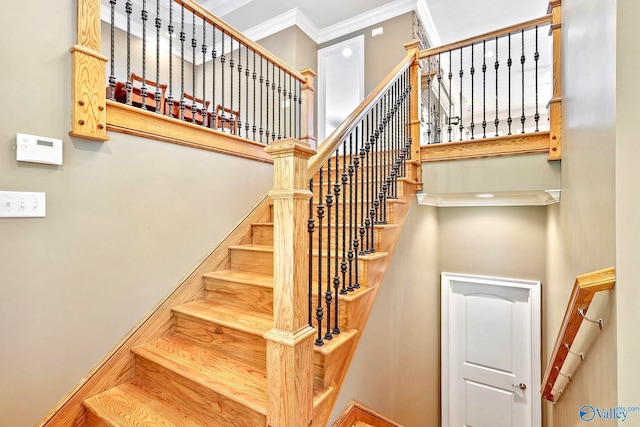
<point>322,20</point>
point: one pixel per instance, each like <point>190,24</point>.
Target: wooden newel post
<point>290,342</point>
<point>307,133</point>
<point>555,104</point>
<point>413,48</point>
<point>88,97</point>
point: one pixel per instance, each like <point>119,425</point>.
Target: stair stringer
<point>342,356</point>
<point>118,366</point>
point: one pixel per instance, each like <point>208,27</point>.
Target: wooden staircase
<point>210,368</point>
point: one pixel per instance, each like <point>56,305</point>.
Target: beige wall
<point>627,203</point>
<point>383,53</point>
<point>586,216</point>
<point>384,375</point>
<point>126,220</point>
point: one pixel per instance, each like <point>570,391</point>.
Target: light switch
<point>16,204</point>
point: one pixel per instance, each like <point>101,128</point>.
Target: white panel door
<point>490,352</point>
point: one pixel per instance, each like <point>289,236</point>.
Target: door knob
<point>521,386</point>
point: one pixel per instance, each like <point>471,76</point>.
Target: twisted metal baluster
<point>319,309</point>
<point>328,295</point>
<point>112,76</point>
<point>129,83</point>
<point>143,90</point>
<point>158,94</point>
<point>523,118</point>
<point>496,66</point>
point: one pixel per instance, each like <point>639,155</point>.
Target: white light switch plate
<point>15,204</point>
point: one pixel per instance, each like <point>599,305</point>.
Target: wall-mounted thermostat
<point>38,149</point>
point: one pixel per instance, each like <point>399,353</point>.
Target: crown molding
<point>281,22</point>
<point>422,9</point>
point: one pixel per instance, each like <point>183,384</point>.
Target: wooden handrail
<point>329,146</point>
<point>584,288</point>
<point>228,29</point>
<point>546,19</point>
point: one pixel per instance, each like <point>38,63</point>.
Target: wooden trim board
<point>356,414</point>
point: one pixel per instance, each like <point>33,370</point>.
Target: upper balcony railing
<point>503,85</point>
<point>175,59</point>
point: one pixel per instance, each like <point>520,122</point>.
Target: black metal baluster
<point>509,64</point>
<point>182,40</point>
<point>267,103</point>
<point>246,94</point>
<point>367,183</point>
<point>204,49</point>
<point>299,110</point>
<point>536,57</point>
<point>255,76</point>
<point>261,103</point>
<point>345,200</point>
<point>429,115</point>
<point>214,54</point>
<point>158,95</point>
<point>279,103</point>
<point>319,309</point>
<point>450,75</point>
<point>129,83</point>
<point>291,107</point>
<point>143,90</point>
<point>170,29</point>
<point>473,72</point>
<point>496,122</point>
<point>232,116</point>
<point>194,45</point>
<point>336,278</point>
<point>239,118</point>
<point>328,295</point>
<point>112,76</point>
<point>223,60</point>
<point>523,59</point>
<point>460,73</point>
<point>484,88</point>
<point>310,230</point>
<point>273,101</point>
<point>357,234</point>
<point>352,169</point>
<point>439,123</point>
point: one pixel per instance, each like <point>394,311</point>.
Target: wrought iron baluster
<point>129,83</point>
<point>429,115</point>
<point>273,101</point>
<point>214,54</point>
<point>170,29</point>
<point>143,90</point>
<point>261,97</point>
<point>223,60</point>
<point>484,88</point>
<point>291,133</point>
<point>344,180</point>
<point>239,118</point>
<point>158,95</point>
<point>536,57</point>
<point>232,63</point>
<point>204,49</point>
<point>267,98</point>
<point>279,103</point>
<point>310,230</point>
<point>350,218</point>
<point>328,295</point>
<point>182,40</point>
<point>112,76</point>
<point>320,215</point>
<point>194,45</point>
<point>255,76</point>
<point>450,75</point>
<point>336,255</point>
<point>461,74</point>
<point>509,64</point>
<point>473,72</point>
<point>496,122</point>
<point>246,94</point>
<point>439,123</point>
<point>357,234</point>
<point>523,59</point>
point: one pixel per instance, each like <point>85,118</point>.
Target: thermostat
<point>38,149</point>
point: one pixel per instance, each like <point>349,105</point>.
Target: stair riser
<point>94,420</point>
<point>252,261</point>
<point>208,403</point>
<point>262,234</point>
<point>364,266</point>
<point>240,345</point>
<point>257,298</point>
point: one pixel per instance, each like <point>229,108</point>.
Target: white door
<point>490,352</point>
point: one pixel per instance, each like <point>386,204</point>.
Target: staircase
<point>210,369</point>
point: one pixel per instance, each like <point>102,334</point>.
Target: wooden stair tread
<point>244,277</point>
<point>337,340</point>
<point>251,322</point>
<point>151,407</point>
<point>253,247</point>
<point>228,377</point>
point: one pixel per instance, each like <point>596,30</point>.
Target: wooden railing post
<point>555,104</point>
<point>413,48</point>
<point>290,342</point>
<point>307,133</point>
<point>88,97</point>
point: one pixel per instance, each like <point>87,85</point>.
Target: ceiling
<point>446,20</point>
